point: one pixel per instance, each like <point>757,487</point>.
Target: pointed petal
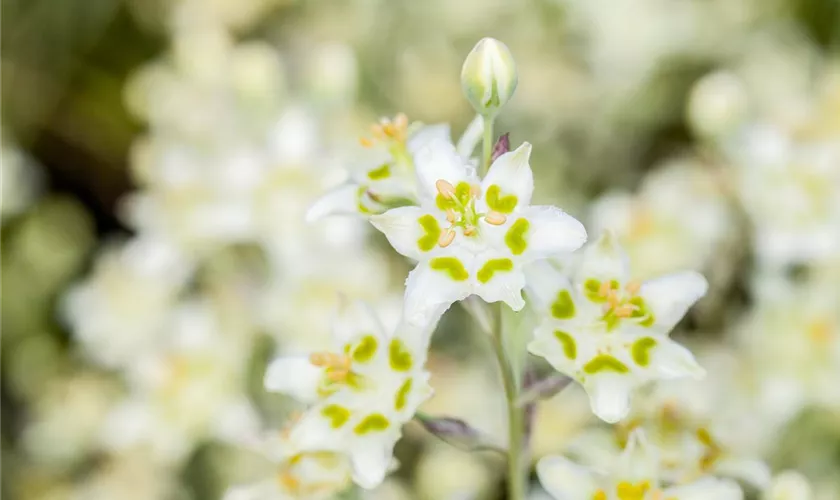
<point>429,292</point>
<point>428,134</point>
<point>544,282</point>
<point>751,470</point>
<point>512,175</point>
<point>355,319</point>
<point>295,376</point>
<point>500,279</point>
<point>371,462</point>
<point>410,230</point>
<point>671,360</point>
<point>551,232</point>
<point>603,259</point>
<point>704,489</point>
<point>609,396</point>
<point>565,480</point>
<point>342,200</point>
<point>669,297</point>
<point>439,160</point>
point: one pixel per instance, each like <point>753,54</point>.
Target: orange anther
<point>445,188</point>
<point>446,238</point>
<point>495,218</point>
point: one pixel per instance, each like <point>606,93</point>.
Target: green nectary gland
<point>605,363</point>
<point>491,267</point>
<point>453,267</point>
<point>431,232</point>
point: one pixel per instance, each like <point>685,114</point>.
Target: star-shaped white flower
<point>470,236</point>
<point>633,476</point>
<point>610,333</point>
<point>299,475</point>
<point>361,394</point>
<point>387,180</point>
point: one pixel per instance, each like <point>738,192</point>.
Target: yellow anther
<point>600,495</point>
<point>330,360</point>
<point>469,230</point>
<point>446,238</point>
<point>625,311</point>
<point>288,481</point>
<point>366,142</point>
<point>337,374</point>
<point>604,290</point>
<point>450,215</point>
<point>475,190</point>
<point>495,218</point>
<point>446,189</point>
<point>633,287</point>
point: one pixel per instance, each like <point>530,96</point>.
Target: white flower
<point>361,394</point>
<point>387,179</point>
<point>299,475</point>
<point>633,476</point>
<point>473,237</point>
<point>789,485</point>
<point>610,333</point>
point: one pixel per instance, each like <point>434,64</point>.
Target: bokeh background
<point>158,157</point>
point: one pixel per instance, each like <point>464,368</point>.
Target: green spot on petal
<point>641,350</point>
<point>605,363</point>
<point>402,394</point>
<point>492,266</point>
<point>337,415</point>
<point>569,344</point>
<point>451,266</point>
<point>431,232</point>
<point>499,203</point>
<point>366,349</point>
<point>372,423</point>
<point>398,356</point>
<point>564,306</point>
<point>642,312</point>
<point>515,237</point>
<point>383,172</point>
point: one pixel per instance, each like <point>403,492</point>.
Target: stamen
<point>366,142</point>
<point>378,131</point>
<point>495,218</point>
<point>401,121</point>
<point>475,190</point>
<point>604,290</point>
<point>446,189</point>
<point>633,287</point>
<point>469,230</point>
<point>446,238</point>
<point>625,311</point>
<point>330,360</point>
<point>337,375</point>
<point>450,215</point>
<point>288,481</point>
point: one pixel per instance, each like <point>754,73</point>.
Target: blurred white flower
<point>120,311</point>
<point>633,475</point>
<point>361,393</point>
<point>190,389</point>
<point>21,181</point>
<point>610,333</point>
<point>789,485</point>
<point>473,237</point>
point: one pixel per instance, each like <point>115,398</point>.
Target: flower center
<point>336,366</point>
<point>459,204</point>
<point>618,303</point>
<point>392,133</point>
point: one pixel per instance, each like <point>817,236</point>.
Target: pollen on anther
<point>495,218</point>
<point>450,215</point>
<point>469,230</point>
<point>445,188</point>
<point>446,238</point>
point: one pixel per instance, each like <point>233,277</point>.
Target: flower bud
<point>489,76</point>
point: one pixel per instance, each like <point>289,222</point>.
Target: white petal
<point>471,136</point>
<point>671,360</point>
<point>603,259</point>
<point>355,319</point>
<point>295,376</point>
<point>543,283</point>
<point>639,461</point>
<point>403,229</point>
<point>504,286</point>
<point>552,232</point>
<point>342,200</point>
<point>512,173</point>
<point>429,292</point>
<point>313,432</point>
<point>547,346</point>
<point>706,489</point>
<point>751,470</point>
<point>428,134</point>
<point>609,396</point>
<point>789,485</point>
<point>439,160</point>
<point>669,297</point>
<point>565,480</point>
<point>371,462</point>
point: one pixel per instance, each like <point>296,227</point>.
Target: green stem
<point>516,476</point>
<point>487,145</point>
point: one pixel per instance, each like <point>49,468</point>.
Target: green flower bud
<point>489,76</point>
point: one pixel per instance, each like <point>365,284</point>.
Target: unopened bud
<point>489,76</point>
